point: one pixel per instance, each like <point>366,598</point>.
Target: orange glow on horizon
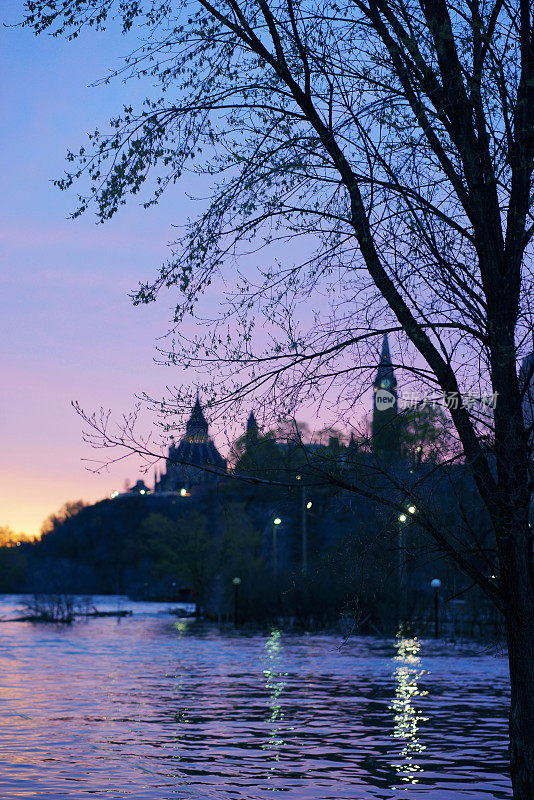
<point>27,500</point>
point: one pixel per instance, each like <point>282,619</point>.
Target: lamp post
<point>435,583</point>
<point>236,582</point>
<point>402,561</point>
<point>305,506</point>
<point>276,522</point>
<point>401,577</point>
<point>400,548</point>
<point>304,530</point>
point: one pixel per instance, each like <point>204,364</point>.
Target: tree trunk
<point>520,636</point>
<point>510,513</point>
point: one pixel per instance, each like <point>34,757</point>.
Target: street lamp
<point>412,509</point>
<point>435,583</point>
<point>304,506</point>
<point>236,582</point>
<point>276,521</point>
<point>401,565</point>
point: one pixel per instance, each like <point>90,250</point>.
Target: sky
<point>69,330</point>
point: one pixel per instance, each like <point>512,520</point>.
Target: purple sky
<point>69,331</point>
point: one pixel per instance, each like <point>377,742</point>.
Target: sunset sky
<point>69,331</point>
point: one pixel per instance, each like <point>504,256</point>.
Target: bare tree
<point>399,134</point>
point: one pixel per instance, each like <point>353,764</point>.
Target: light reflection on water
<point>155,708</point>
<point>275,684</point>
<point>407,716</point>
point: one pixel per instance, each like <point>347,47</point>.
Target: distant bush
<point>12,569</point>
<point>53,607</point>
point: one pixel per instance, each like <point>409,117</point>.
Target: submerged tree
<point>399,135</point>
<point>184,548</point>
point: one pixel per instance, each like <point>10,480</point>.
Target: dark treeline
<point>174,548</point>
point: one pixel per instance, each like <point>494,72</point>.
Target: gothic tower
<point>252,430</point>
<point>385,408</point>
<point>195,460</point>
<point>196,429</point>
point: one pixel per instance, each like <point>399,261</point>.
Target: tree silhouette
<point>400,136</point>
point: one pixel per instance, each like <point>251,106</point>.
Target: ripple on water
<point>152,708</point>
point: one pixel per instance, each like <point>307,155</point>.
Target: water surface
<point>158,708</point>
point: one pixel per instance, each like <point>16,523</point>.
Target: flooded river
<point>153,707</point>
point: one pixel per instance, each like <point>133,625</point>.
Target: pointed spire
<point>385,367</point>
<point>353,448</point>
<point>252,425</point>
<point>385,357</point>
<point>197,426</point>
<point>385,407</point>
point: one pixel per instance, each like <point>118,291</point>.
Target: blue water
<point>159,708</point>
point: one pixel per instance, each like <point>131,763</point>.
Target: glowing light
<point>412,509</point>
<point>309,505</point>
<point>407,717</point>
<point>142,491</point>
<point>275,684</point>
<point>181,626</point>
<point>183,492</point>
<point>277,520</point>
<point>114,494</point>
<point>403,518</point>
